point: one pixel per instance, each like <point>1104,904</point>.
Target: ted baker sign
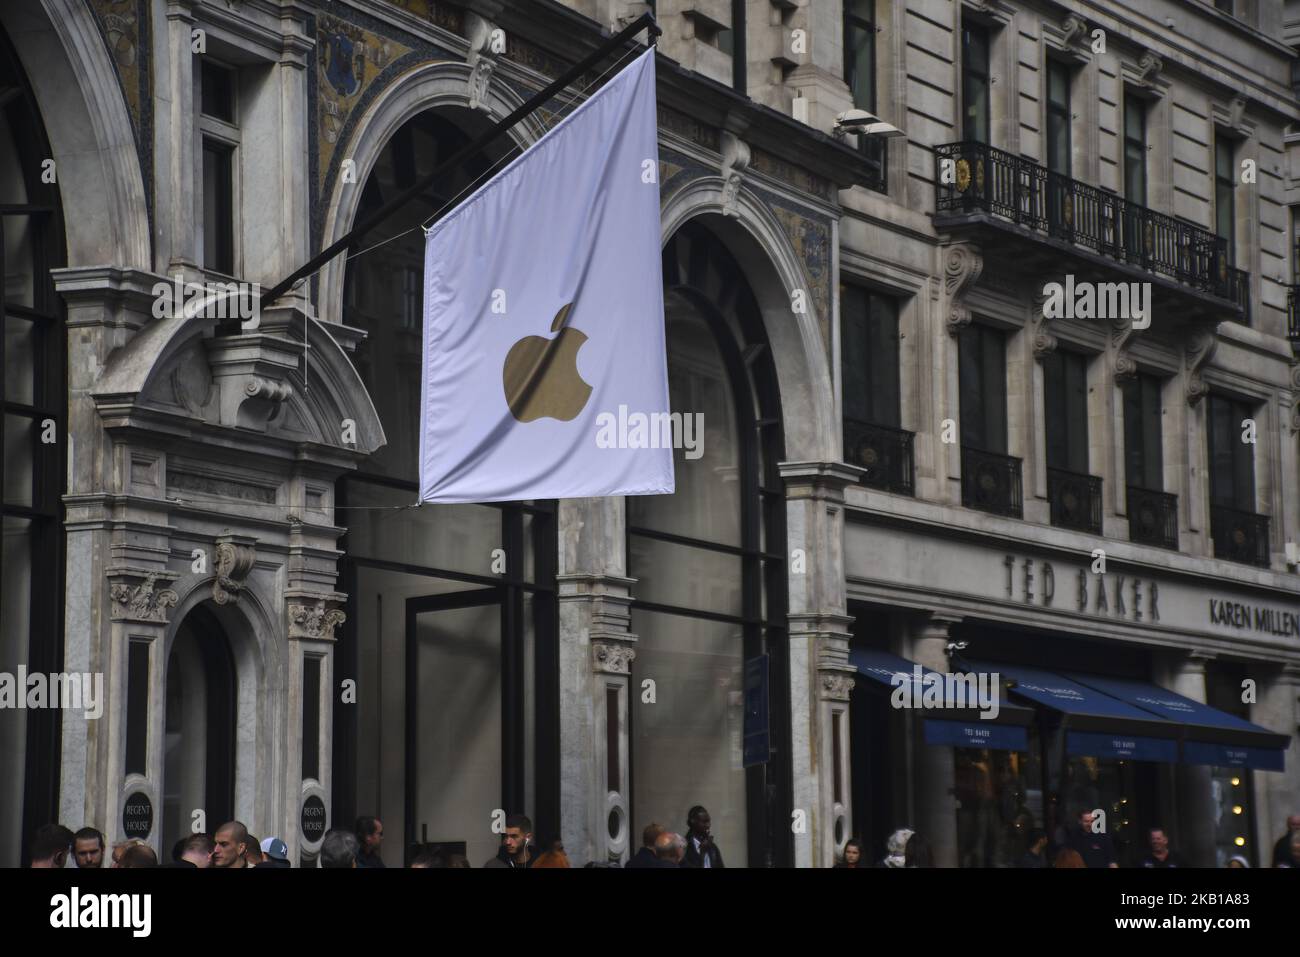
<point>1112,595</point>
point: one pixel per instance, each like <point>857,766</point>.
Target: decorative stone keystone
<point>235,557</point>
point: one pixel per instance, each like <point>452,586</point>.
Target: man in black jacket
<point>700,849</point>
<point>516,848</point>
<point>646,856</point>
<point>1096,849</point>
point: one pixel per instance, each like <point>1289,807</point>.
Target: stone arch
<point>424,88</point>
<point>90,132</point>
<point>755,237</point>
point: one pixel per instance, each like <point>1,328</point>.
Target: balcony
<point>1075,500</point>
<point>1239,536</point>
<point>990,482</point>
<point>885,453</point>
<point>1152,518</point>
<point>1029,205</point>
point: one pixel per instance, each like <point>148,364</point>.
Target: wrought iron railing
<point>991,482</point>
<point>885,453</point>
<point>1075,500</point>
<point>1239,536</point>
<point>974,177</point>
<point>1152,517</point>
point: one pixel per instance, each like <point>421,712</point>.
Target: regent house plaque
<point>313,819</point>
<point>137,816</point>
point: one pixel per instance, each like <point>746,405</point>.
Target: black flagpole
<point>643,22</point>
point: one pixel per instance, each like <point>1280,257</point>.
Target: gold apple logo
<point>541,375</point>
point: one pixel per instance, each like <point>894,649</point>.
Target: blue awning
<point>1096,724</point>
<point>1210,736</point>
<point>958,727</point>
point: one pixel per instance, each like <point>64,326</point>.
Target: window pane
<point>218,209</point>
<point>15,635</point>
<point>1153,475</point>
<point>1058,84</point>
<point>1135,173</point>
<point>20,360</point>
<point>137,707</point>
<point>670,574</point>
<point>458,726</point>
<point>455,537</point>
<point>976,98</point>
<point>20,437</point>
<point>870,356</point>
<point>706,504</point>
<point>1134,119</point>
<point>20,270</point>
<point>860,65</point>
<point>311,717</point>
<point>218,91</point>
<point>686,748</point>
<point>994,384</point>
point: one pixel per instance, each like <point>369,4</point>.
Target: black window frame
<point>1135,105</point>
<point>1231,462</point>
<point>1142,397</point>
<point>1065,411</point>
<point>883,394</point>
<point>970,74</point>
<point>1225,191</point>
<point>990,343</point>
<point>857,24</point>
<point>1059,116</point>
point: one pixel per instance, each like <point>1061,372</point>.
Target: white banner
<point>545,374</point>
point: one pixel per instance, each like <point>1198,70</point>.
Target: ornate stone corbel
<point>146,601</point>
<point>1150,66</point>
<point>235,557</point>
<point>481,59</point>
<point>735,160</point>
<point>1073,28</point>
<point>1122,365</point>
<point>836,686</point>
<point>1197,350</point>
<point>315,619</point>
<point>612,659</point>
<point>1044,343</point>
<point>962,266</point>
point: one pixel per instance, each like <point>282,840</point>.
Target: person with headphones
<point>700,849</point>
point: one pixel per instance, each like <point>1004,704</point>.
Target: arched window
<point>32,434</point>
<point>451,629</point>
<point>711,571</point>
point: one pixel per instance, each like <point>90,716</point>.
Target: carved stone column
<point>1192,793</point>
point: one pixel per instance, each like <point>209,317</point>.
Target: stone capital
<point>140,594</point>
<point>820,480</point>
<point>612,658</point>
<point>835,686</point>
<point>314,616</point>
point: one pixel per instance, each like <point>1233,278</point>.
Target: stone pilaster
<point>1194,798</point>
<point>820,673</point>
<point>597,650</point>
<point>936,802</point>
<point>1277,708</point>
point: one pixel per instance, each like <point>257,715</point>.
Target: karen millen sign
<point>1268,621</point>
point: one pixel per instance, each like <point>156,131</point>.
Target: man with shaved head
<point>670,848</point>
<point>230,845</point>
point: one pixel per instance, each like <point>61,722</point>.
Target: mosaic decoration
<point>125,28</point>
<point>811,239</point>
<point>689,128</point>
<point>796,176</point>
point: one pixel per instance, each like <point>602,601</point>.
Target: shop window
<point>975,82</point>
<point>710,590</point>
<point>1125,790</point>
<point>34,392</point>
<point>1232,789</point>
<point>999,802</point>
<point>452,613</point>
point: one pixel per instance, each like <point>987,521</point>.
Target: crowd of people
<point>1078,845</point>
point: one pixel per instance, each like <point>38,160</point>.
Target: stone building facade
<point>903,456</point>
